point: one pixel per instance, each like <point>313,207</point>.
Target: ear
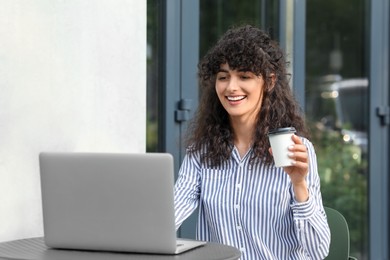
<point>273,81</point>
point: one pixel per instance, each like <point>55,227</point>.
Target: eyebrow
<point>222,70</point>
<point>239,70</point>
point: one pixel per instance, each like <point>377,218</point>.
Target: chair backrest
<point>339,244</point>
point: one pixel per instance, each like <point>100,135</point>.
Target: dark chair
<point>339,244</point>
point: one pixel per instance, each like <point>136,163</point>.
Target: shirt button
<point>236,206</point>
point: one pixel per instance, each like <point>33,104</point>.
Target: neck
<point>243,135</point>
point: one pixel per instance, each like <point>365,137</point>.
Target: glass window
<point>337,108</point>
<point>154,38</point>
<point>216,16</point>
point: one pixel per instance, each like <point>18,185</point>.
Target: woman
<point>228,171</point>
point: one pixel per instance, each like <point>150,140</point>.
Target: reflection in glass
<point>216,16</point>
<point>337,108</point>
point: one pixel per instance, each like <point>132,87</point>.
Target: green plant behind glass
<point>342,169</point>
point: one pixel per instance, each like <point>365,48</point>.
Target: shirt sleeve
<point>187,189</point>
<point>310,219</point>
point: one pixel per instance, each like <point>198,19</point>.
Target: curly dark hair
<point>245,47</point>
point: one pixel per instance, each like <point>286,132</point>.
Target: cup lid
<point>283,130</point>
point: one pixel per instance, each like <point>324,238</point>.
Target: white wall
<point>72,78</point>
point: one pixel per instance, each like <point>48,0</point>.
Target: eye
<point>222,76</point>
<point>245,75</point>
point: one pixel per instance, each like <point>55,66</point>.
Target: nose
<point>232,84</point>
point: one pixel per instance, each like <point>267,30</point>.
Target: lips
<point>235,98</point>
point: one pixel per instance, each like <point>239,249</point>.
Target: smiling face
<point>240,92</point>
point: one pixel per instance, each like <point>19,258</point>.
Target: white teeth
<point>236,98</point>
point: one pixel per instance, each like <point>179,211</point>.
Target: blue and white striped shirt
<point>252,208</point>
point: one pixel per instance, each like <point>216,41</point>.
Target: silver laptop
<point>110,202</point>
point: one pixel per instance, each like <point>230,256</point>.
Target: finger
<point>298,148</point>
<point>296,139</point>
<point>299,166</point>
<point>299,156</point>
<point>303,166</point>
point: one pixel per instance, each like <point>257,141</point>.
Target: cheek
<point>219,92</point>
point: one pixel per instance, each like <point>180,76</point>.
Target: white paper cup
<point>280,140</point>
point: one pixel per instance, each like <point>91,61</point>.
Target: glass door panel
<point>154,74</point>
<point>216,16</point>
<point>337,108</point>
